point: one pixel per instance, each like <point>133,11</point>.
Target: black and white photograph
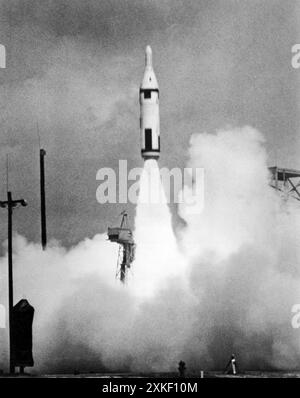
<point>149,193</point>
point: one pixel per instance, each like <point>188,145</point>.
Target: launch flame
<point>157,256</point>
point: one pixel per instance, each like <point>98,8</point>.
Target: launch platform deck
<point>207,374</point>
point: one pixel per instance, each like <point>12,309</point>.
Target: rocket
<point>149,111</point>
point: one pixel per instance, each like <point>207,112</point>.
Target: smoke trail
<point>230,290</point>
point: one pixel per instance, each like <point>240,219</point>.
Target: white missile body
<point>149,111</point>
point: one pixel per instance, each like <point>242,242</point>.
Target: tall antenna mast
<point>43,200</point>
<point>43,193</point>
<point>38,134</point>
<point>7,166</point>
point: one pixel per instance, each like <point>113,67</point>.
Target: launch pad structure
<point>124,237</point>
<point>286,181</point>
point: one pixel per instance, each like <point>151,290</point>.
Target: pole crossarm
<point>10,203</point>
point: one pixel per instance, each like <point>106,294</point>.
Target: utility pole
<point>43,200</point>
<point>10,204</point>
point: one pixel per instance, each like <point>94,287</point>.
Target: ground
<point>208,374</point>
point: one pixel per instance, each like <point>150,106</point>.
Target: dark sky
<point>74,69</point>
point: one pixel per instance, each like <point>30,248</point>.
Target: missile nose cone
<point>148,59</point>
<point>149,79</point>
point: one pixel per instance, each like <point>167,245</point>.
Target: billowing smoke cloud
<point>243,255</point>
<point>226,285</point>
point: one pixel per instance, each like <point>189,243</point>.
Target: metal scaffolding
<point>286,181</point>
